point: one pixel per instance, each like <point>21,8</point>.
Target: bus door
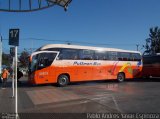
<point>41,65</point>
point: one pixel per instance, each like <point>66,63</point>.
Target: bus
<point>62,64</point>
<point>151,65</point>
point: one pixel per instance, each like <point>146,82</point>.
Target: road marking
<point>116,104</point>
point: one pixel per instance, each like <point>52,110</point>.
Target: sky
<point>103,23</point>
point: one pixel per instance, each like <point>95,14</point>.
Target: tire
<point>121,77</point>
<point>63,80</point>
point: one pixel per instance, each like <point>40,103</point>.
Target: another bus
<point>61,64</point>
<point>151,67</point>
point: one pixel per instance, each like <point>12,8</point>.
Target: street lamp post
<point>0,54</point>
<point>137,45</point>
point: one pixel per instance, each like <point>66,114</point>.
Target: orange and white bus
<point>61,64</point>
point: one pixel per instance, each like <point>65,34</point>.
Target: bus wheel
<point>63,80</point>
<point>120,77</point>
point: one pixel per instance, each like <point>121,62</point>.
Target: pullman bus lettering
<point>86,63</point>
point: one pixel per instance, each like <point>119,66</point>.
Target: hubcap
<point>62,80</point>
<point>120,78</point>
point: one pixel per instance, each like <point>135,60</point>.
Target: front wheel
<point>121,77</point>
<point>63,80</point>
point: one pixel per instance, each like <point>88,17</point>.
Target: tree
<point>153,42</point>
<point>6,59</point>
<point>24,59</point>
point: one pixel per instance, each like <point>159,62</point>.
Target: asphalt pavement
<point>132,96</point>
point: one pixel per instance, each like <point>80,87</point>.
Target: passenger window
<point>45,59</point>
<point>100,55</point>
<point>86,54</point>
<point>112,56</point>
<point>69,54</point>
<point>124,56</point>
<point>136,57</point>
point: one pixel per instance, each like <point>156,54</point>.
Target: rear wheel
<point>63,80</point>
<point>121,77</point>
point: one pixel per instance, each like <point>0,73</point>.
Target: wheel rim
<point>62,80</point>
<point>120,77</point>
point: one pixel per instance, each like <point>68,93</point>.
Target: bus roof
<point>82,47</point>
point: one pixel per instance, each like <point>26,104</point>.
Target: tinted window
<point>45,59</point>
<point>120,56</point>
<point>99,55</point>
<point>33,64</point>
<point>147,60</point>
<point>157,59</point>
<point>112,55</point>
<point>136,57</point>
<point>151,59</point>
<point>69,54</point>
<point>53,49</point>
<point>86,54</point>
<point>125,56</point>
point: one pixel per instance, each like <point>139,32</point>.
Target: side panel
<point>100,72</point>
<point>151,70</point>
<point>45,75</point>
<point>77,70</point>
<point>151,66</point>
<point>83,70</point>
<point>88,70</point>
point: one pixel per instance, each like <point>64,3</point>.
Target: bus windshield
<point>42,60</point>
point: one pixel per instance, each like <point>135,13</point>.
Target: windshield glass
<point>33,63</point>
<point>42,60</point>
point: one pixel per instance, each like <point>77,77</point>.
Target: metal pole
<point>0,54</point>
<point>13,75</point>
<point>32,46</point>
<point>16,98</point>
